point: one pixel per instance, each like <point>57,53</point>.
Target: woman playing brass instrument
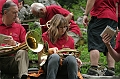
<point>57,38</point>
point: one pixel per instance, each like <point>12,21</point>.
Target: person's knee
<point>54,57</point>
<point>22,53</point>
<point>71,60</point>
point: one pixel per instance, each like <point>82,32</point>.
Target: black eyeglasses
<point>63,27</point>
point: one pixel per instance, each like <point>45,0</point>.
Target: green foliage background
<point>74,6</point>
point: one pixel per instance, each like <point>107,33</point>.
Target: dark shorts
<point>95,28</point>
<point>8,65</point>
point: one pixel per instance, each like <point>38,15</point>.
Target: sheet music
<point>108,30</point>
<point>5,47</point>
<point>2,37</point>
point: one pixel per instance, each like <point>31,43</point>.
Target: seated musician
<point>13,66</point>
<point>57,38</point>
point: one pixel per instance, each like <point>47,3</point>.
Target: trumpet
<point>32,42</point>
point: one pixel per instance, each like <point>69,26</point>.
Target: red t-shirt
<point>105,9</point>
<point>61,43</point>
<point>117,46</point>
<point>17,31</point>
<point>54,9</point>
<point>2,3</point>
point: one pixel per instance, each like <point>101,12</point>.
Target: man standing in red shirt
<point>46,13</point>
<point>115,52</point>
<point>103,13</point>
<point>13,65</point>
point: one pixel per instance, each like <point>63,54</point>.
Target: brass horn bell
<point>33,41</point>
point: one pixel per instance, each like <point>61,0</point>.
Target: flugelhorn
<point>32,42</point>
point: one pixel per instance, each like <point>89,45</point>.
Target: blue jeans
<point>69,67</point>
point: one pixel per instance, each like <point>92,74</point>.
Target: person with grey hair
<point>15,65</point>
<point>45,13</point>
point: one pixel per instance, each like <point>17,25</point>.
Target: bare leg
<point>110,61</point>
<point>111,64</point>
<point>94,57</point>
